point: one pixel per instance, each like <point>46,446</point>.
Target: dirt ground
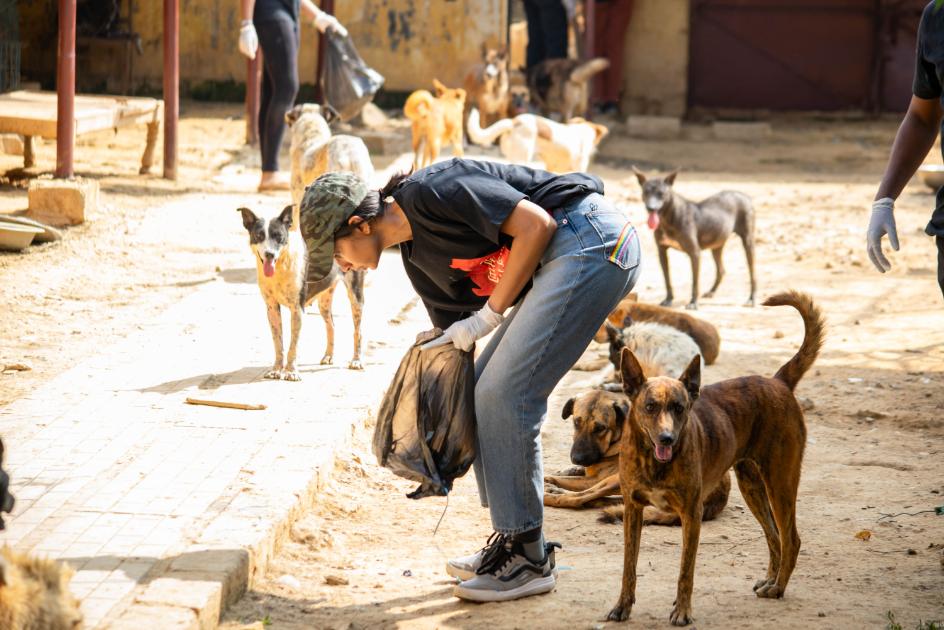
<point>876,428</point>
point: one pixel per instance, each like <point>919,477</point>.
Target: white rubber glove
<point>882,223</point>
<point>248,40</point>
<point>465,332</point>
<point>323,21</point>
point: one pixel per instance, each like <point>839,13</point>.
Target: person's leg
<point>534,53</point>
<point>265,99</point>
<point>278,40</point>
<point>940,262</point>
<point>554,26</point>
<point>612,20</point>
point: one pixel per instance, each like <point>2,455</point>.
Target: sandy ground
<point>876,430</point>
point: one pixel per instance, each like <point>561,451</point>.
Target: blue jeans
<point>574,289</point>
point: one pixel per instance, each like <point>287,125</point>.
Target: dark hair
<point>373,205</point>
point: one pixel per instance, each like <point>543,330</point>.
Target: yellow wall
<point>656,58</point>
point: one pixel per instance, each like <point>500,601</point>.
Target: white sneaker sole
<point>462,574</point>
<point>537,586</point>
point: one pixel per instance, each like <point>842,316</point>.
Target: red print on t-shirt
<point>485,272</point>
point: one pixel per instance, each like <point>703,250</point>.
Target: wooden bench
<point>30,113</point>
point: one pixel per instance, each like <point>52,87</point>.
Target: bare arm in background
<point>914,139</point>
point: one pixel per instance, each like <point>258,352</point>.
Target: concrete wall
<point>656,59</point>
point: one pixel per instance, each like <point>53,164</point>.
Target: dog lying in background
<point>563,148</point>
<point>630,311</point>
<point>691,227</point>
<point>281,265</point>
<point>436,120</point>
<point>599,418</point>
<point>34,594</point>
<point>315,151</point>
<point>680,440</point>
<point>562,85</point>
<point>487,86</point>
<point>661,350</point>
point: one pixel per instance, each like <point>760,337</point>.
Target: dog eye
<point>677,408</point>
<point>650,407</point>
<point>599,428</point>
<point>260,235</point>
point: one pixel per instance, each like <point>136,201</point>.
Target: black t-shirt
<point>268,10</point>
<point>928,78</point>
<point>455,209</point>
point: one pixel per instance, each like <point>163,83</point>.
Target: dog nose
<point>269,256</point>
<point>666,438</point>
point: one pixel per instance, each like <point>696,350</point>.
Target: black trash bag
<point>347,82</point>
<point>426,425</point>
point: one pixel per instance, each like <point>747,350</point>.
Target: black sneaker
<point>464,568</point>
<point>505,573</point>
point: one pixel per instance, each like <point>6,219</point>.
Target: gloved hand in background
<point>881,223</point>
<point>248,40</point>
<point>464,333</point>
<point>323,21</point>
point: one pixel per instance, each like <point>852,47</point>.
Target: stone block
<point>386,142</point>
<point>11,144</point>
<point>665,127</point>
<point>744,131</point>
<point>229,567</point>
<point>201,596</point>
<point>141,616</point>
<point>61,202</point>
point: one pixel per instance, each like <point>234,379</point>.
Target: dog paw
<point>327,360</point>
<point>291,375</point>
<point>681,616</point>
<point>355,364</point>
<point>708,295</point>
<point>619,613</point>
<point>573,471</point>
<point>691,306</point>
<point>751,302</point>
<point>762,583</point>
<point>550,488</point>
<point>273,374</point>
<point>666,302</point>
<point>770,590</point>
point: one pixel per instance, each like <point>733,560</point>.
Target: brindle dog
<point>681,439</point>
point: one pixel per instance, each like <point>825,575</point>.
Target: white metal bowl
<point>15,237</point>
<point>932,175</point>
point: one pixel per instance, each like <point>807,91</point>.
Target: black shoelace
<point>496,553</point>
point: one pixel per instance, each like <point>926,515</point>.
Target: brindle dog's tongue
<point>663,453</point>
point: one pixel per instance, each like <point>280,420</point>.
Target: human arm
<point>320,19</point>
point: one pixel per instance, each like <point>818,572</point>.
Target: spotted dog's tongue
<point>268,267</point>
<point>653,221</point>
<point>663,453</point>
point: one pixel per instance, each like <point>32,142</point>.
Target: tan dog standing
<point>436,121</point>
<point>680,440</point>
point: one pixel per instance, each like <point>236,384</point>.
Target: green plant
<point>921,625</point>
<point>266,622</point>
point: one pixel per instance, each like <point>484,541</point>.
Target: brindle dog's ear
<point>631,373</point>
<point>622,412</point>
<point>640,176</point>
<point>614,334</point>
<point>691,378</point>
<point>670,178</point>
<point>249,219</point>
<point>287,216</point>
<point>568,409</point>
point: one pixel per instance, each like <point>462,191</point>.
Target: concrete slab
<point>60,202</point>
<point>741,131</point>
<point>654,126</point>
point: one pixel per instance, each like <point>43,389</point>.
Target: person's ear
<point>359,224</point>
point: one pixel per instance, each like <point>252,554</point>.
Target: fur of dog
<point>680,439</point>
<point>598,419</point>
<point>563,85</point>
<point>436,121</point>
<point>630,311</point>
<point>281,262</point>
<point>691,227</point>
<point>563,148</point>
<point>6,499</point>
<point>315,151</point>
<point>661,350</point>
<point>487,85</point>
<point>34,594</point>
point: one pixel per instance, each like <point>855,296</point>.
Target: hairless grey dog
<point>692,227</point>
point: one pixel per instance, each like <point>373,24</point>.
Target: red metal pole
<point>65,89</point>
<point>171,86</point>
<point>253,67</point>
<point>328,7</point>
<point>589,20</point>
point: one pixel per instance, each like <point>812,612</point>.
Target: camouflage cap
<point>327,203</point>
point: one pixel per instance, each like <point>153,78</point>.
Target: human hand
<point>464,333</point>
<point>323,21</point>
<point>248,40</point>
<point>427,335</point>
<point>881,223</point>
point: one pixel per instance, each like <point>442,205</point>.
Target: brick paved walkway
<point>115,474</point>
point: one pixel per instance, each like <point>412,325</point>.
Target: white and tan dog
<point>563,148</point>
<point>315,151</point>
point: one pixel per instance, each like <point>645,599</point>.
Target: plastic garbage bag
<point>347,82</point>
<point>426,425</point>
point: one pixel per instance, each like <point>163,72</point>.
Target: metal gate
<point>802,54</point>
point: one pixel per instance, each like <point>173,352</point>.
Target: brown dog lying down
<point>599,418</point>
<point>629,311</point>
<point>34,593</point>
<point>680,440</point>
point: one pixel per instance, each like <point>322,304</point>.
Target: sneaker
<point>464,568</point>
<point>506,573</point>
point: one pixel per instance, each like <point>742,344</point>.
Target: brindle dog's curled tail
<point>793,370</point>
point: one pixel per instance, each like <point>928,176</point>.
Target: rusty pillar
<point>65,90</point>
<point>589,23</point>
<point>171,86</point>
<point>328,7</point>
<point>253,78</point>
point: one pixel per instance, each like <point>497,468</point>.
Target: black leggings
<point>547,30</point>
<point>278,39</point>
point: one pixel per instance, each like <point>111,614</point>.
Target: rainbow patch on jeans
<point>620,253</point>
